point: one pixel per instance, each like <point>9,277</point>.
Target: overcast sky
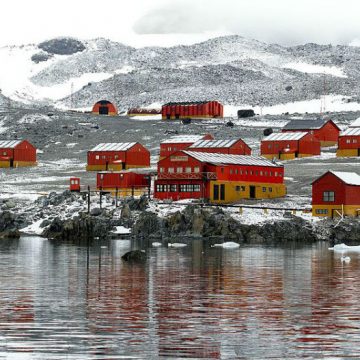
<point>169,22</point>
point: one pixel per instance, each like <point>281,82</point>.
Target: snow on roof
<point>305,124</point>
<point>215,158</point>
<point>113,146</point>
<point>178,139</point>
<point>9,144</point>
<point>355,123</point>
<point>286,136</point>
<point>214,143</point>
<point>349,178</point>
<point>355,131</point>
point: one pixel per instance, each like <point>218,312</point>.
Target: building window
<point>179,170</point>
<point>116,157</point>
<point>237,188</point>
<point>169,148</point>
<point>354,141</point>
<point>97,157</point>
<point>266,173</point>
<point>103,157</point>
<point>261,173</point>
<point>197,188</point>
<point>231,171</point>
<point>173,188</point>
<point>348,141</point>
<point>270,189</point>
<point>237,171</point>
<point>242,188</point>
<point>251,172</point>
<point>190,188</point>
<point>101,176</point>
<point>188,170</point>
<point>271,174</point>
<point>171,170</point>
<point>269,146</point>
<point>264,189</point>
<point>256,173</point>
<point>321,211</point>
<point>196,169</point>
<point>329,196</point>
<point>162,188</point>
<point>222,170</point>
<point>162,169</point>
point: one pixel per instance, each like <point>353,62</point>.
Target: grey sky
<point>168,22</point>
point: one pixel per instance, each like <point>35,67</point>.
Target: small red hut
<point>104,107</point>
<point>290,145</point>
<point>193,110</point>
<point>325,130</point>
<point>231,146</point>
<point>17,153</point>
<point>349,142</point>
<point>180,142</point>
<point>117,156</point>
<point>336,194</point>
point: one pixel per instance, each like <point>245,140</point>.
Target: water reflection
<point>72,301</point>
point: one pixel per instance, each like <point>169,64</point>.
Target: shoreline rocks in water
<point>64,217</point>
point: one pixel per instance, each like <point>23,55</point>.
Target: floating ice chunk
<point>344,247</point>
<point>177,245</point>
<point>228,245</point>
<point>121,230</point>
<point>345,259</point>
<point>156,244</point>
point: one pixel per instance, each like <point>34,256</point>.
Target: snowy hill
<point>232,69</point>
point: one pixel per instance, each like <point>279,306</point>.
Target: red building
<point>104,107</point>
<point>117,156</point>
<point>180,142</point>
<point>16,153</point>
<point>349,142</point>
<point>231,146</point>
<point>336,194</point>
<point>220,178</point>
<point>125,183</point>
<point>325,130</point>
<point>193,110</point>
<point>290,145</point>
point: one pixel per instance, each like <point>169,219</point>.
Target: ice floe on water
<point>227,245</point>
<point>177,245</point>
<point>345,248</point>
<point>156,244</point>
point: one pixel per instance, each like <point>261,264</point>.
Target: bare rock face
<point>62,46</point>
<point>41,57</point>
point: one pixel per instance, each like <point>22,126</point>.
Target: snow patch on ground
<point>146,117</point>
<point>121,230</point>
<point>333,103</point>
<point>33,229</point>
<point>33,118</point>
<point>315,69</point>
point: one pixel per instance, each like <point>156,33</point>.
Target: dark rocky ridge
<point>62,46</point>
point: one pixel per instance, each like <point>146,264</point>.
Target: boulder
<point>134,256</point>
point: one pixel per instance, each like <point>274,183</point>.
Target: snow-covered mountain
<point>71,74</point>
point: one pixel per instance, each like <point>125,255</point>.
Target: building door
<point>216,192</point>
<point>296,154</point>
<point>252,192</point>
<point>177,116</point>
<point>11,163</point>
<point>359,152</point>
<point>222,192</point>
<point>168,116</point>
<point>103,110</point>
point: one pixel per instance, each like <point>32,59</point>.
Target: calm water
<point>64,301</point>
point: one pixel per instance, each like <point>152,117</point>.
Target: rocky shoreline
<point>64,217</point>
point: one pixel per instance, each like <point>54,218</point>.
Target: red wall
<point>249,173</point>
<point>308,144</point>
<point>211,108</point>
<point>344,194</point>
<point>22,152</point>
<point>352,145</point>
<point>121,180</point>
<point>138,155</point>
